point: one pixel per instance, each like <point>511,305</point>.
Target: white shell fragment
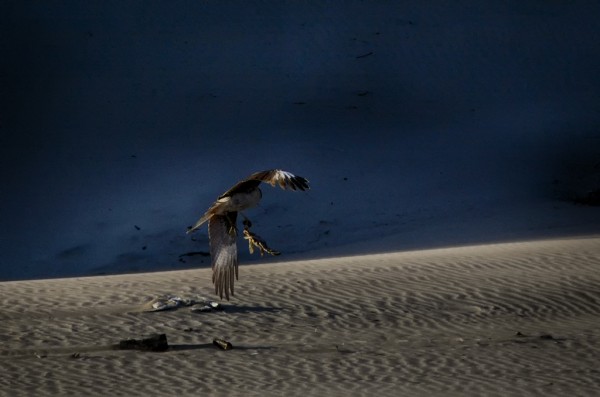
<point>170,302</point>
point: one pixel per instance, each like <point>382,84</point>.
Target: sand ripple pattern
<point>509,319</point>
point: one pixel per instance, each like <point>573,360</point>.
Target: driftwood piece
<point>154,343</point>
<point>222,344</point>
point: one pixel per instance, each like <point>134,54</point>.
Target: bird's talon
<point>256,241</point>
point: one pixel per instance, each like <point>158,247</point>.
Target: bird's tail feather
<point>199,224</point>
<point>217,208</point>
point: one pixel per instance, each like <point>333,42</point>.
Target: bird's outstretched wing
<point>223,251</point>
<point>285,180</point>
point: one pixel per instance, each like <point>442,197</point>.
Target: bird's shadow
<point>202,346</point>
<point>224,308</point>
<point>233,309</point>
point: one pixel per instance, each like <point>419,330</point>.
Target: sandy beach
<point>504,319</point>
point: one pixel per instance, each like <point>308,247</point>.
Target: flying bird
<point>222,229</point>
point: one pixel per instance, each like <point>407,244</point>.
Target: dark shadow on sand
<point>224,308</point>
<point>186,347</point>
<point>250,309</point>
<point>202,346</point>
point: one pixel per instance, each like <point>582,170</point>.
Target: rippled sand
<point>509,319</point>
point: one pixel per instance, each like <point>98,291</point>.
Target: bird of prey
<point>222,230</point>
